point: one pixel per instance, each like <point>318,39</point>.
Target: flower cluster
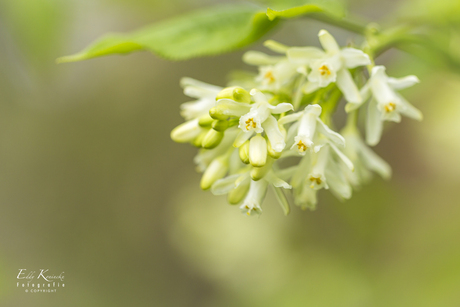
<point>274,130</point>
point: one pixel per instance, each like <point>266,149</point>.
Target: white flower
<point>330,65</point>
<point>205,93</point>
<point>364,159</point>
<point>321,170</point>
<point>257,189</point>
<point>386,104</point>
<point>307,127</point>
<point>256,118</point>
<point>275,72</point>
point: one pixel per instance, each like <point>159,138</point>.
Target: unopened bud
<point>220,125</point>
<point>234,93</point>
<point>258,151</point>
<point>244,152</point>
<point>258,173</point>
<point>271,152</point>
<point>205,120</point>
<point>236,195</point>
<point>212,139</point>
<point>186,132</point>
<point>215,171</point>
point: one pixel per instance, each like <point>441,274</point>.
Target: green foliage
<point>205,32</point>
<point>332,8</point>
<point>210,31</point>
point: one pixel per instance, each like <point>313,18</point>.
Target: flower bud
<point>236,195</point>
<point>186,132</point>
<point>197,142</point>
<point>205,120</point>
<point>258,151</point>
<point>212,139</point>
<point>244,152</point>
<point>220,125</point>
<point>258,173</point>
<point>271,152</point>
<point>234,93</point>
<point>215,171</point>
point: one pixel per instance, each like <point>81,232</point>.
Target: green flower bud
<point>258,173</point>
<point>244,152</point>
<point>186,132</point>
<point>197,142</point>
<point>236,195</point>
<point>220,125</point>
<point>234,93</point>
<point>271,152</point>
<point>258,151</point>
<point>215,171</point>
<point>212,139</point>
<point>205,120</point>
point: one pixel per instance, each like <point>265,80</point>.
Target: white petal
<point>258,96</point>
<point>276,181</point>
<point>337,182</point>
<point>242,137</point>
<point>225,185</point>
<point>259,58</point>
<point>327,132</point>
<point>402,83</point>
<point>374,162</point>
<point>274,134</point>
<point>184,82</point>
<point>276,47</point>
<point>281,108</point>
<point>354,57</point>
<point>304,55</point>
<point>348,87</point>
<point>302,171</point>
<point>282,200</point>
<point>409,110</point>
<point>342,157</point>
<point>290,118</point>
<point>310,87</point>
<point>328,41</point>
<point>383,93</point>
<point>374,124</point>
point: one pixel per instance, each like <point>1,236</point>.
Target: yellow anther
<point>269,76</point>
<point>301,146</point>
<point>324,70</point>
<point>250,122</point>
<point>315,179</point>
<point>390,107</point>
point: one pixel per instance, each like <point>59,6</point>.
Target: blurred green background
<point>92,185</point>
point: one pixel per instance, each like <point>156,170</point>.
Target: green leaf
<point>210,31</point>
<point>331,8</point>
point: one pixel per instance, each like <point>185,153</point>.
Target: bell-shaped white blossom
<point>307,127</point>
<point>385,103</point>
<point>330,65</point>
<point>205,95</point>
<point>364,159</point>
<point>257,189</point>
<point>256,118</point>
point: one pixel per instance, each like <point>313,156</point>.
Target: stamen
<point>269,76</point>
<point>301,146</point>
<point>390,107</point>
<point>250,122</point>
<point>324,70</point>
<point>316,179</point>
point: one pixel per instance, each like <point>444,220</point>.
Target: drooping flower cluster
<point>247,133</point>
